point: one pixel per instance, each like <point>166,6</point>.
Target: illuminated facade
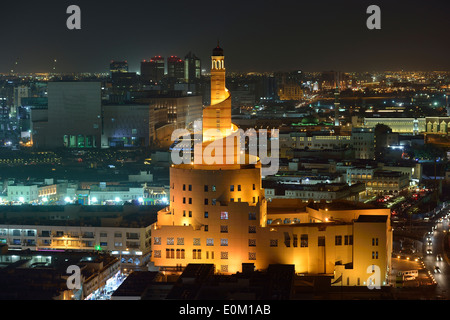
<point>218,214</point>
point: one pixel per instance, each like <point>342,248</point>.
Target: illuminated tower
<point>212,206</point>
<point>217,116</point>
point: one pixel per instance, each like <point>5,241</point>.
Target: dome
<point>217,51</point>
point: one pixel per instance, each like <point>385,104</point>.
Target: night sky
<point>313,35</point>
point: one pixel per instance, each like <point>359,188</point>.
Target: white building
<point>23,193</point>
<point>117,194</point>
<point>363,142</point>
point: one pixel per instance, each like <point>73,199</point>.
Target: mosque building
<point>218,214</point>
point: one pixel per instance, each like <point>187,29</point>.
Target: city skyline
<point>310,162</point>
<point>262,37</point>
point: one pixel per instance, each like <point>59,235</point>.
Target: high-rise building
<point>153,70</point>
<point>175,69</point>
<point>192,68</point>
<point>218,214</point>
<point>118,66</point>
<point>72,119</point>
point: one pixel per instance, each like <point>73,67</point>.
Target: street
<point>436,244</point>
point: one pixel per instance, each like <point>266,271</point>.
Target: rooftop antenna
<point>14,68</point>
<point>54,65</point>
<point>336,100</point>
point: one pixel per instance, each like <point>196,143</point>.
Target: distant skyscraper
<point>153,70</point>
<point>175,69</point>
<point>72,118</point>
<point>118,66</point>
<point>192,68</point>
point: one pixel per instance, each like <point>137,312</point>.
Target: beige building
<point>218,214</point>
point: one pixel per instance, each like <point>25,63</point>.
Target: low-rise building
<point>44,275</point>
<point>316,192</point>
<point>123,231</point>
<point>388,182</point>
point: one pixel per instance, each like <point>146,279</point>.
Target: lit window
<point>224,215</point>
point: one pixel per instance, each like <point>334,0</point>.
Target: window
<point>252,256</point>
<point>184,200</point>
<point>374,241</point>
<point>213,188</point>
<point>224,229</point>
<point>321,241</point>
<point>224,242</point>
<point>196,242</point>
<point>206,227</point>
<point>304,241</point>
<point>190,214</point>
<point>232,188</point>
<point>254,187</point>
<point>213,202</point>
<point>206,201</point>
<point>157,240</point>
<point>209,241</point>
<point>224,255</point>
<point>190,200</point>
<point>180,241</point>
<point>184,213</point>
<point>170,253</point>
<point>348,240</point>
<point>190,187</point>
<point>206,214</point>
<point>252,216</point>
<point>196,254</point>
<point>157,253</point>
<point>224,215</point>
<point>239,187</point>
<point>206,188</point>
<point>170,241</point>
<point>374,254</point>
<point>274,242</point>
<point>184,187</point>
<point>251,229</point>
<point>252,242</point>
<point>180,253</point>
<point>338,240</point>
